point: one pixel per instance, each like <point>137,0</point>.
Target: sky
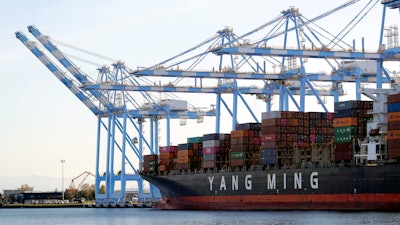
<point>42,122</point>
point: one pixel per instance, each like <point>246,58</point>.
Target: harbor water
<point>105,216</point>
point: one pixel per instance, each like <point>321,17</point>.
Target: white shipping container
<point>211,143</point>
<point>271,115</point>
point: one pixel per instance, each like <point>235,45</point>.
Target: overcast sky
<point>42,122</point>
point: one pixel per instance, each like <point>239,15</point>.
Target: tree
<point>25,188</point>
<point>102,189</point>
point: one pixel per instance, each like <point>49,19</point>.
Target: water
<point>132,216</point>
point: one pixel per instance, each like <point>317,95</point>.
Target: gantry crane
<point>116,111</point>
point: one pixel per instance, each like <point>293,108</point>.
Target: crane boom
<point>57,72</point>
<point>69,65</point>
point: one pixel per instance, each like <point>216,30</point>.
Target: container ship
<point>344,160</point>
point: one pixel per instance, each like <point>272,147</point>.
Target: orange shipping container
<point>393,134</point>
<point>183,160</point>
<point>294,122</point>
<point>185,153</point>
<point>345,122</point>
<point>239,133</point>
<point>393,116</point>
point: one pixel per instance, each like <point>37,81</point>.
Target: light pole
<point>62,175</point>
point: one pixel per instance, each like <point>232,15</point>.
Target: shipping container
<point>394,125</point>
<point>167,161</point>
<point>209,164</point>
<point>216,136</point>
<point>185,153</point>
<point>352,104</point>
<point>343,139</point>
<point>395,98</point>
<point>248,126</point>
<point>195,140</point>
<point>237,162</point>
<point>162,149</point>
<point>150,157</point>
<point>270,137</point>
<point>345,122</point>
<point>209,157</point>
<point>393,134</point>
<point>271,115</point>
<point>167,155</point>
<point>394,153</point>
<point>164,168</point>
<point>211,150</point>
<point>346,156</point>
<point>348,113</point>
<point>185,146</point>
<point>394,107</point>
<point>345,131</point>
<point>211,143</point>
<point>241,140</point>
<point>184,166</point>
<point>236,155</point>
<point>393,143</point>
<point>239,133</point>
<point>271,122</point>
<point>393,116</point>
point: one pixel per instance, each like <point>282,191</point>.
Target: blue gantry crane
<point>120,116</point>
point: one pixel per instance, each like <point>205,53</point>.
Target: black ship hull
<point>336,188</point>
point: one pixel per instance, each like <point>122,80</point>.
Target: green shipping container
<point>193,140</point>
<point>343,139</point>
<point>237,155</point>
<point>338,131</point>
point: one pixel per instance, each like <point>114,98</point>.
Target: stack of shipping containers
<point>215,150</point>
<point>321,137</point>
<point>245,145</point>
<point>185,156</point>
<point>350,124</point>
<point>393,142</point>
<point>197,143</point>
<point>167,157</point>
<point>150,164</point>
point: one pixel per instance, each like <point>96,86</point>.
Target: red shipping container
<point>237,162</point>
<point>343,147</point>
<point>183,166</point>
<point>257,140</point>
<point>394,153</point>
<point>271,122</point>
<point>270,138</point>
<point>166,161</point>
<point>168,148</point>
<point>211,150</point>
<point>395,125</point>
<point>208,164</point>
<point>394,143</point>
<point>150,157</point>
<point>167,155</point>
<point>346,156</point>
<point>393,98</point>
